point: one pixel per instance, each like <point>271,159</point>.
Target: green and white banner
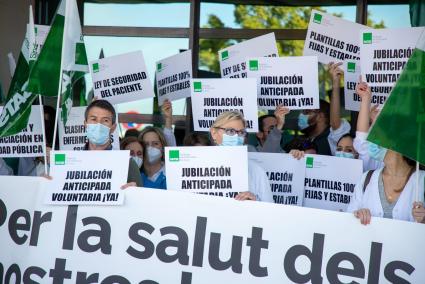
<point>17,107</point>
<point>351,78</point>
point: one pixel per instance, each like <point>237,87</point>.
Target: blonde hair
<point>154,130</point>
<point>228,116</point>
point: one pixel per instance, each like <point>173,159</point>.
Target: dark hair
<point>132,132</point>
<point>196,138</point>
<point>346,135</point>
<point>325,108</point>
<point>302,144</point>
<point>261,121</point>
<point>103,104</point>
<point>128,140</point>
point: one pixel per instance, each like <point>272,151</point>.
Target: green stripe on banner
<point>80,54</point>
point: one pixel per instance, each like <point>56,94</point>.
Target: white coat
<point>370,198</point>
<point>258,182</point>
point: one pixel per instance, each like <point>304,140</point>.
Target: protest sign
<point>331,38</point>
<point>211,97</point>
<point>121,78</point>
<point>330,181</point>
<point>213,170</point>
<point>290,81</point>
<point>384,54</point>
<point>173,76</point>
<point>87,177</point>
<point>233,58</point>
<point>73,135</point>
<point>351,78</point>
<point>171,237</point>
<point>28,142</point>
<point>286,176</point>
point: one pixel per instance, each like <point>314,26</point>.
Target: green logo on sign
<point>351,67</point>
<point>317,18</point>
<point>95,67</point>
<point>159,67</point>
<point>253,65</point>
<point>197,86</point>
<point>367,38</point>
<point>309,162</point>
<point>59,159</point>
<point>225,55</point>
<point>174,155</point>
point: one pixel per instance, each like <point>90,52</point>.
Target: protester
<point>153,171</point>
<point>229,129</point>
<point>345,147</point>
<point>366,118</point>
<point>136,149</point>
<point>270,131</point>
<point>388,192</point>
<point>196,139</point>
<point>100,122</point>
<point>301,144</point>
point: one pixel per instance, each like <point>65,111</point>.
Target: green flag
<point>63,56</point>
<point>401,124</point>
<point>17,107</point>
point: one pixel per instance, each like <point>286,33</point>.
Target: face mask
<point>138,160</point>
<point>154,154</point>
<point>343,154</point>
<point>98,134</point>
<point>376,152</point>
<point>303,121</point>
<point>234,140</point>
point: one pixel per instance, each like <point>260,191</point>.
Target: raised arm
<point>336,74</point>
<point>363,120</point>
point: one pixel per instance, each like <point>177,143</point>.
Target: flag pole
<point>418,154</point>
<point>60,76</point>
<point>43,129</point>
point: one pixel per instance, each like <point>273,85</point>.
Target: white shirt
<point>362,145</point>
<point>370,198</point>
<point>258,182</point>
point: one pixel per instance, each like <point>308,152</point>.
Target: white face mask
<point>154,154</point>
<point>138,160</point>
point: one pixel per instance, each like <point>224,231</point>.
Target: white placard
<point>28,142</point>
<point>286,176</point>
<point>211,97</point>
<point>73,135</point>
<point>121,78</point>
<point>331,38</point>
<point>351,78</point>
<point>290,81</point>
<point>171,237</point>
<point>233,59</point>
<point>173,76</point>
<point>213,170</point>
<point>87,177</point>
<point>384,54</point>
<point>330,181</point>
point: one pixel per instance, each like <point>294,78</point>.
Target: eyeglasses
<point>232,131</point>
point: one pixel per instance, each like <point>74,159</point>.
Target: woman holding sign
<point>229,129</point>
<point>389,192</point>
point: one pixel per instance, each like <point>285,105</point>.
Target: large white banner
<point>212,170</point>
<point>211,97</point>
<point>28,142</point>
<point>286,176</point>
<point>121,78</point>
<point>171,237</point>
<point>290,81</point>
<point>73,135</point>
<point>384,53</point>
<point>233,58</point>
<point>173,76</point>
<point>330,181</point>
<point>331,38</point>
<point>87,177</point>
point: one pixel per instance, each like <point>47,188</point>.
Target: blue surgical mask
<point>154,154</point>
<point>97,133</point>
<point>234,140</point>
<point>376,152</point>
<point>343,154</point>
<point>138,160</point>
<point>303,121</point>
